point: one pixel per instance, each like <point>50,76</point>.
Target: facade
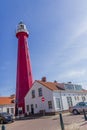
<point>56,97</point>
<point>7,104</point>
<point>24,73</point>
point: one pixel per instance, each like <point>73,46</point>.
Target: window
<point>7,110</point>
<point>69,100</point>
<point>78,87</point>
<point>12,110</point>
<point>50,104</point>
<point>78,98</point>
<point>40,92</point>
<point>22,26</point>
<point>83,98</point>
<point>27,106</point>
<point>33,93</point>
<point>35,105</point>
<point>69,86</point>
<point>81,104</point>
<point>58,105</point>
<point>75,97</point>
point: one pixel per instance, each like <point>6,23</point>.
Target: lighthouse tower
<point>24,78</point>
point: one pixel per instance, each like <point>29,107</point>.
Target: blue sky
<point>57,40</point>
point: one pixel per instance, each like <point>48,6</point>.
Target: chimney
<point>69,82</point>
<point>43,79</point>
<point>12,96</point>
<point>55,81</point>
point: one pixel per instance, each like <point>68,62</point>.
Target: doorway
<point>32,109</point>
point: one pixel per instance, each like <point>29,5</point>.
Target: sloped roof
<point>52,85</point>
<point>6,100</point>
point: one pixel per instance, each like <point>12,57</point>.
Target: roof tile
<point>5,100</point>
<point>52,85</point>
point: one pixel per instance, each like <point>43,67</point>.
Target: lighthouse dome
<point>21,28</point>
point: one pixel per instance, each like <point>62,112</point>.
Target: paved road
<point>49,123</point>
<point>35,124</point>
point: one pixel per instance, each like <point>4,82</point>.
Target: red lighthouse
<point>24,78</point>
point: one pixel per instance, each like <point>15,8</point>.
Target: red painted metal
<point>24,78</point>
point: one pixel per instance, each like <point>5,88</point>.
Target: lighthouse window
<point>22,26</point>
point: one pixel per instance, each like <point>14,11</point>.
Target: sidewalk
<point>72,122</point>
<point>77,126</point>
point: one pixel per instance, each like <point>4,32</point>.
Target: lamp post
<point>61,101</point>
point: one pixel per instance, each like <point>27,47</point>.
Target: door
<point>32,109</point>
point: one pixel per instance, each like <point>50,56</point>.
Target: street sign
<point>42,99</point>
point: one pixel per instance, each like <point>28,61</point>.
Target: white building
<point>7,104</point>
<point>56,97</point>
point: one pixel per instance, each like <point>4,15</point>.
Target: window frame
<point>50,105</point>
<point>58,103</point>
<point>33,93</point>
<point>27,107</point>
<point>40,93</point>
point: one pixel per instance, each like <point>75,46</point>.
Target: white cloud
<point>77,30</point>
<point>72,74</point>
<point>77,56</point>
<point>76,73</point>
<point>81,29</point>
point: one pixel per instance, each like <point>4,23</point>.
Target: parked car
<point>78,108</point>
<point>5,118</point>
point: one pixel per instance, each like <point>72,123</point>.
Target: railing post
<point>3,127</point>
<point>84,115</point>
<point>61,121</point>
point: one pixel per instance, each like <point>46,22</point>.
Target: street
<point>71,122</point>
<point>35,124</point>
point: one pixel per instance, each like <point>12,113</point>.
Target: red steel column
<point>24,78</point>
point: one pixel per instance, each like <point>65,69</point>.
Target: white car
<point>78,108</point>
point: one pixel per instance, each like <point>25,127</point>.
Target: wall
<point>47,94</point>
<point>3,108</point>
<point>76,97</point>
